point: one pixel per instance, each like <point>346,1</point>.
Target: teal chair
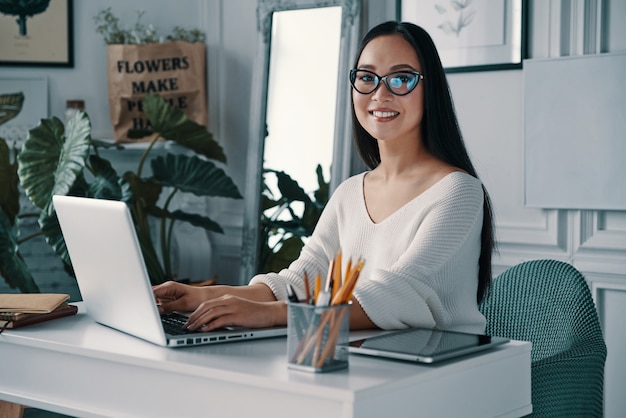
<point>548,303</point>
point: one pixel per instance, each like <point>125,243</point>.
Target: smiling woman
<point>417,224</point>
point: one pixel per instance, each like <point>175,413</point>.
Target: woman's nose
<point>382,93</point>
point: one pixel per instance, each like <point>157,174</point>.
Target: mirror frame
<point>342,143</point>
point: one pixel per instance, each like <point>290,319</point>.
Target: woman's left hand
<point>229,310</point>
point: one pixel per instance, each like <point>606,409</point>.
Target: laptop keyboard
<point>173,324</point>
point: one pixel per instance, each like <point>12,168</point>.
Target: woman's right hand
<point>173,296</point>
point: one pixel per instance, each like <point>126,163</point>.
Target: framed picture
<point>472,35</point>
<point>34,108</point>
<point>36,33</point>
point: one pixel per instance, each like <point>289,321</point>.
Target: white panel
<point>552,232</point>
<point>613,220</point>
<point>611,302</point>
<point>615,26</point>
<point>575,117</point>
<point>491,122</point>
<point>600,243</point>
<point>602,231</point>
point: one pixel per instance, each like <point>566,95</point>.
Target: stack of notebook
<point>18,310</point>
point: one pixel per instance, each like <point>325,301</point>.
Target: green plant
<point>108,25</point>
<point>283,229</point>
<point>12,265</point>
<point>58,159</point>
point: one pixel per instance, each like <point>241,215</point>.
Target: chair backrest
<point>548,303</point>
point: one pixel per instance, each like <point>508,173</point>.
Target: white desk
<point>77,367</point>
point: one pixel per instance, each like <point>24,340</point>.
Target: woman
<point>420,218</point>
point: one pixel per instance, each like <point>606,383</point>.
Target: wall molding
<point>593,235</point>
<point>552,234</point>
<point>597,287</point>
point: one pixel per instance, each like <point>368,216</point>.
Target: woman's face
<point>382,114</point>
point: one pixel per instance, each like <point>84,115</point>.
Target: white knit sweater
<point>421,263</point>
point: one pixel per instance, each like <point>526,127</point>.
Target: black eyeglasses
<point>399,83</point>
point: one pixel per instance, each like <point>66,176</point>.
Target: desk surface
<point>77,367</point>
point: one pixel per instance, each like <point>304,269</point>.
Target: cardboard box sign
<point>175,71</point>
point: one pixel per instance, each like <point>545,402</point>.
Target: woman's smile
<point>384,114</point>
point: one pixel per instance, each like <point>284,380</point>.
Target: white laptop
<point>113,280</point>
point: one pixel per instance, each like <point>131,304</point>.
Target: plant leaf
<point>174,125</point>
<point>323,191</point>
<point>106,183</point>
<point>10,106</point>
<point>267,203</point>
<point>290,189</point>
<point>49,224</point>
<point>12,265</point>
<point>153,263</point>
<point>53,157</point>
<point>145,192</point>
<point>290,250</point>
<point>193,219</point>
<point>142,200</point>
<point>9,192</point>
<point>310,217</point>
<point>194,175</point>
<point>292,227</point>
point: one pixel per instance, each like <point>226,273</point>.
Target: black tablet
<point>424,345</point>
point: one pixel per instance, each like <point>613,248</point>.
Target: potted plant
<point>140,61</point>
<point>64,159</point>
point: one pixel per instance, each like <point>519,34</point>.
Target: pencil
<point>307,288</point>
<point>318,287</point>
<point>337,280</point>
<point>329,276</point>
<point>333,336</point>
<point>337,270</point>
<point>345,293</point>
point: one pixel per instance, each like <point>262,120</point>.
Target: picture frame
<point>43,37</point>
<point>472,35</point>
<point>35,107</point>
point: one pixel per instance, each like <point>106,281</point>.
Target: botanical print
<point>458,14</point>
<point>459,23</point>
<point>21,11</point>
<point>34,32</point>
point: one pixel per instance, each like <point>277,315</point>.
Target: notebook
<point>112,276</point>
<point>424,345</point>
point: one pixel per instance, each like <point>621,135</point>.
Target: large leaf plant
<point>64,159</point>
<point>288,217</point>
<point>12,265</point>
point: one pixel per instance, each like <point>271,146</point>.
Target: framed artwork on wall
<point>472,35</point>
<point>35,107</point>
<point>36,33</point>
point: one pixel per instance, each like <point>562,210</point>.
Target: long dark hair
<point>440,128</point>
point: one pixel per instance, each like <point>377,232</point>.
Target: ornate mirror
<point>300,117</point>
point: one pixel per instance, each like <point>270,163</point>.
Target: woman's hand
<point>219,306</point>
<point>173,296</point>
<point>228,310</point>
